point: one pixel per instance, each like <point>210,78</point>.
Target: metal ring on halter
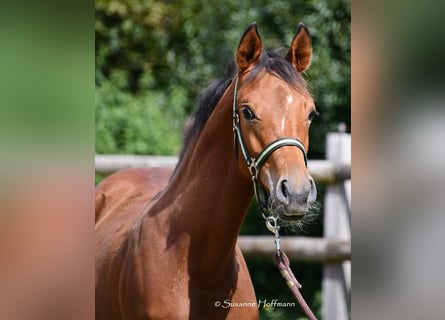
<point>272,224</point>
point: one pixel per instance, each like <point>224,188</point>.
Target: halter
<point>254,164</point>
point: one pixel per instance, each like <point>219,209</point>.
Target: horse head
<point>273,110</point>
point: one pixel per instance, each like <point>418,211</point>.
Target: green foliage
<point>156,47</point>
<point>138,124</point>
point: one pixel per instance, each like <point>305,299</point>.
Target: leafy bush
<point>149,123</point>
<point>158,49</point>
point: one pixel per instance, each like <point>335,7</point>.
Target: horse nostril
<point>284,190</point>
<point>311,182</point>
<point>313,191</point>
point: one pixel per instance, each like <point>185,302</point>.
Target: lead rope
<point>282,262</point>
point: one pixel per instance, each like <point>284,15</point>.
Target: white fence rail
<point>323,171</point>
<point>307,249</point>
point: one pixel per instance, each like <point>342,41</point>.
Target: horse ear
<point>300,51</point>
<point>249,49</point>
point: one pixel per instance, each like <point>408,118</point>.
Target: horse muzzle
<point>290,201</point>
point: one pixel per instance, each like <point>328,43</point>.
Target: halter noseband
<point>254,163</point>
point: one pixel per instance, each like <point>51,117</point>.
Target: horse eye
<point>247,113</point>
<point>313,114</point>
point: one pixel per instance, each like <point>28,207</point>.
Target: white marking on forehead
<point>283,120</point>
<point>290,99</point>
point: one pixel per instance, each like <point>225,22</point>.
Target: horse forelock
<point>272,62</point>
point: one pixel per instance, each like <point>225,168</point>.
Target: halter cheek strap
<point>254,164</point>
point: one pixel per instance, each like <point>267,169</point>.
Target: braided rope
<point>283,264</point>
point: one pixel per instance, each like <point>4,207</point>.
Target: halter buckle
<point>253,168</point>
<point>235,119</point>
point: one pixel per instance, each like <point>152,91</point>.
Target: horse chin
<point>291,213</point>
<point>291,216</point>
<point>288,213</point>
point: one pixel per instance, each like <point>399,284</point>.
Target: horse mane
<point>207,104</point>
<point>269,62</point>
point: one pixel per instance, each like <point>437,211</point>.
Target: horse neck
<point>210,195</point>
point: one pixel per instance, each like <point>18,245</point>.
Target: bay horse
<point>166,248</point>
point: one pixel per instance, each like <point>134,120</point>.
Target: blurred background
<point>155,58</point>
<point>398,111</point>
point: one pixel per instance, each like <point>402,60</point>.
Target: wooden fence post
<point>336,283</point>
